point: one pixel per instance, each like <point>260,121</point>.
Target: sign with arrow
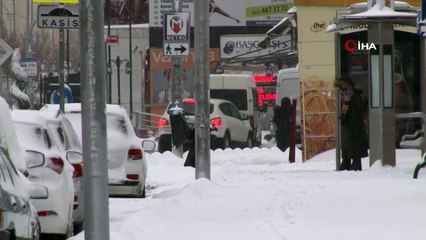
<point>175,49</point>
<point>5,51</point>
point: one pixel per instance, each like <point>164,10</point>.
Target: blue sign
<point>55,98</point>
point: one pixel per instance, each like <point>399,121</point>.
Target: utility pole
<point>131,67</point>
<point>422,30</point>
<point>177,86</point>
<point>28,52</point>
<point>202,86</point>
<point>92,58</point>
<point>108,7</point>
<point>1,67</point>
<point>61,69</point>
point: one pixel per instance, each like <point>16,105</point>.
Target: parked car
<point>18,217</point>
<point>69,143</point>
<point>41,136</point>
<point>127,168</point>
<point>232,129</point>
<point>241,90</point>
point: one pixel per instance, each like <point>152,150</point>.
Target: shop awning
<point>403,14</point>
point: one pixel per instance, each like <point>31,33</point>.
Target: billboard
<point>227,13</point>
<point>246,45</point>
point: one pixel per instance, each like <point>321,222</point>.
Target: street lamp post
<point>118,62</point>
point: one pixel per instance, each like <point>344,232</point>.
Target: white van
<point>241,90</point>
<point>288,85</point>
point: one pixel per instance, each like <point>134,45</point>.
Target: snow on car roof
<point>76,107</point>
<point>8,138</point>
<point>29,116</point>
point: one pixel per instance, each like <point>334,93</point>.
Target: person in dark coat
<point>190,158</point>
<point>354,141</point>
<point>180,129</point>
<point>182,133</point>
<point>282,119</point>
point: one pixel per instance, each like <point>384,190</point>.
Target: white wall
<point>140,42</point>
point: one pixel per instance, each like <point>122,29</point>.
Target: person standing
<point>182,133</point>
<point>354,141</point>
<point>282,119</point>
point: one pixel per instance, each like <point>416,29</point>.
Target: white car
<point>231,129</point>
<point>40,136</point>
<point>18,217</point>
<point>127,168</point>
<point>69,144</point>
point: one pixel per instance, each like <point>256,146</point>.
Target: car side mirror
<point>148,145</point>
<point>34,159</point>
<point>244,116</point>
<point>74,157</point>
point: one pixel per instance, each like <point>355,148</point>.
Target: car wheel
<point>78,227</point>
<point>143,193</point>
<point>226,141</point>
<point>164,144</point>
<point>249,142</point>
<point>70,230</point>
<point>37,232</point>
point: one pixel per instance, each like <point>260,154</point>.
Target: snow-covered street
<point>255,194</point>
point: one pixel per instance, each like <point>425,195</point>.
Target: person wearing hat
<point>180,129</point>
<point>354,141</point>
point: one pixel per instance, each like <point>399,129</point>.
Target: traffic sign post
<point>30,66</point>
<point>176,27</point>
<point>58,16</point>
<point>112,40</point>
<point>175,49</point>
<point>176,35</point>
<point>5,51</point>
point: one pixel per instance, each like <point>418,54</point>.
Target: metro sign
<point>176,26</point>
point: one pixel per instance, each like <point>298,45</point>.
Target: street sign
<point>58,16</point>
<point>111,40</point>
<point>176,27</point>
<point>175,49</point>
<point>30,66</point>
<point>5,51</point>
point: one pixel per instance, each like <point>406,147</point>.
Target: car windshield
<point>64,135</point>
<point>32,136</point>
<point>75,120</point>
<point>236,96</point>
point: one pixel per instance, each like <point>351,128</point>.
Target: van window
<point>236,96</point>
<point>255,98</point>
